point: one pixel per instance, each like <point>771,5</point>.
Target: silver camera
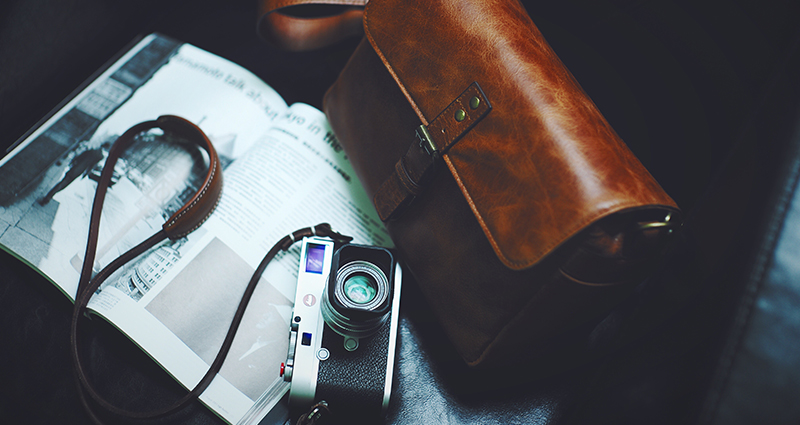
<point>343,335</point>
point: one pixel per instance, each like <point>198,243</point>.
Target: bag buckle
<point>426,141</point>
<point>417,164</point>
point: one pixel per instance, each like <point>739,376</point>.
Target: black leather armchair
<point>706,93</point>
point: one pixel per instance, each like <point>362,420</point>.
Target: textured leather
<point>433,140</point>
<point>545,138</point>
<point>541,181</point>
<point>195,212</point>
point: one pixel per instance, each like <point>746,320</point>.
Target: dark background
<point>704,92</point>
<point>676,79</point>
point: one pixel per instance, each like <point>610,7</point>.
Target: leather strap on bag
<point>432,141</point>
<point>184,221</point>
<point>298,33</point>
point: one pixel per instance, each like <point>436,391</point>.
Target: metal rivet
<point>474,102</point>
<point>460,115</point>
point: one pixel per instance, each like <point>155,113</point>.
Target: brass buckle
<point>426,142</point>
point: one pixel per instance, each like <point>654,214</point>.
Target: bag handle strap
<point>299,33</point>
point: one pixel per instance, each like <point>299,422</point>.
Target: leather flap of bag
<point>544,163</point>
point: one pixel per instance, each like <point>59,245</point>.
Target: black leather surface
<point>758,371</point>
<point>706,93</point>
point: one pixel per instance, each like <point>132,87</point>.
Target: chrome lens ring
<point>361,269</point>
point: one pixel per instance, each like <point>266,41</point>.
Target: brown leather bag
<point>517,208</point>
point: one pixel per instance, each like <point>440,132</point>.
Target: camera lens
<point>360,288</point>
<point>361,285</point>
<point>361,292</point>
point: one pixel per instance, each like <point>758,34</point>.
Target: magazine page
<point>295,176</point>
<point>47,183</point>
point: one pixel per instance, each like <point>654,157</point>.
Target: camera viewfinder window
<point>315,258</point>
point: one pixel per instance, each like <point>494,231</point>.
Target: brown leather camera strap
<point>184,221</point>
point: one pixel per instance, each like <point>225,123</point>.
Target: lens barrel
<point>359,301</point>
<point>361,285</point>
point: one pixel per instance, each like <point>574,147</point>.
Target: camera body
<point>343,334</point>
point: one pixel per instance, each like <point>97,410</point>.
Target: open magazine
<point>283,170</point>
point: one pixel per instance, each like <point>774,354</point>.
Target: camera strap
<point>188,218</point>
<point>184,221</point>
